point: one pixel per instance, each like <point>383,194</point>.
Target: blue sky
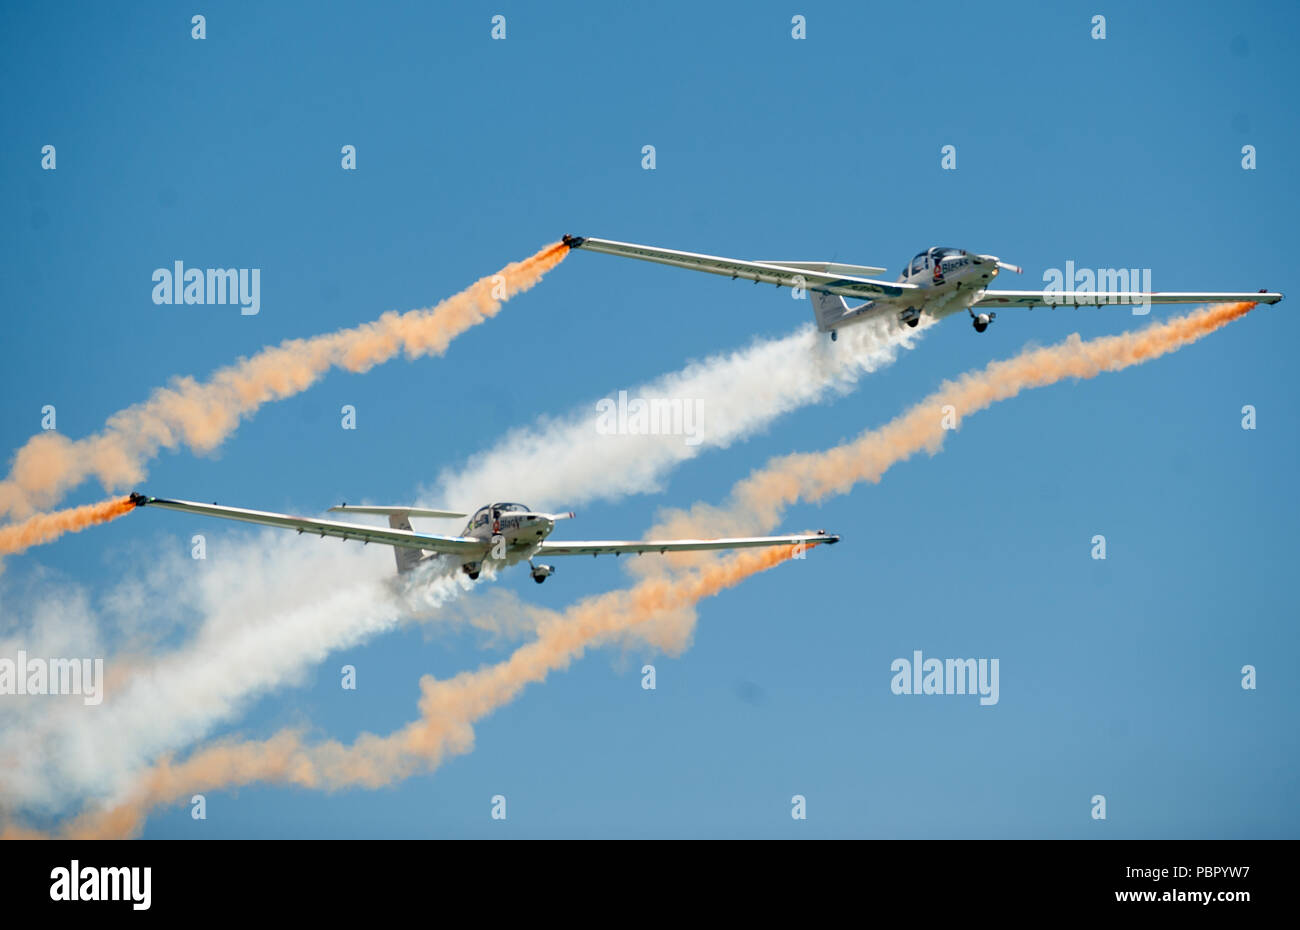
<point>1119,677</point>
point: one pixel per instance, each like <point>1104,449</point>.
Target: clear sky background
<point>1118,677</point>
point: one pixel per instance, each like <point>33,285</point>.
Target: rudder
<point>407,559</point>
<point>829,309</point>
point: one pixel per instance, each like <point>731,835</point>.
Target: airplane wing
<point>813,276</point>
<point>404,539</point>
<point>619,547</point>
<point>1012,299</point>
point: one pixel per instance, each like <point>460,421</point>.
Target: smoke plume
<point>201,414</point>
<point>449,708</point>
<point>44,527</point>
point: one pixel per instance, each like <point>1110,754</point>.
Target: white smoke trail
<point>265,617</point>
<point>739,393</point>
<point>449,708</point>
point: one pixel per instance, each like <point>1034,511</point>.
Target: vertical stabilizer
<point>407,559</point>
<point>829,309</point>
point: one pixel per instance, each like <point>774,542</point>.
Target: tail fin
<point>828,308</point>
<point>407,559</point>
<point>399,518</point>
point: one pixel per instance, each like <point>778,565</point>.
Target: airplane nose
<point>1000,265</point>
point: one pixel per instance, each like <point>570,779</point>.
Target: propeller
<point>1005,266</point>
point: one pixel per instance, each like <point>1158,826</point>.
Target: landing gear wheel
<point>980,327</point>
<point>912,323</point>
<point>540,572</point>
<point>473,576</point>
<point>834,335</point>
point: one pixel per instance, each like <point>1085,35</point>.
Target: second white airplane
<point>497,535</point>
<point>936,283</point>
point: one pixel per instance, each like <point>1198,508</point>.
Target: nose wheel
<point>981,321</point>
<point>540,572</point>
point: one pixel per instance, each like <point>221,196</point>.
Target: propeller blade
<point>1005,266</point>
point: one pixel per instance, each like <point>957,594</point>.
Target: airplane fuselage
<point>950,281</point>
<point>513,532</point>
<point>937,283</point>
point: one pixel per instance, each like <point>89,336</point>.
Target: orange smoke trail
<point>47,526</point>
<point>448,709</point>
<point>201,415</point>
<point>760,499</point>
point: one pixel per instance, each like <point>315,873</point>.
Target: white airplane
<point>497,534</point>
<point>936,283</point>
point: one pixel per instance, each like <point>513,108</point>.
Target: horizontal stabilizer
<point>398,511</point>
<point>833,268</point>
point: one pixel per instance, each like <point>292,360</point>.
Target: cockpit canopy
<point>927,258</point>
<point>483,516</point>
